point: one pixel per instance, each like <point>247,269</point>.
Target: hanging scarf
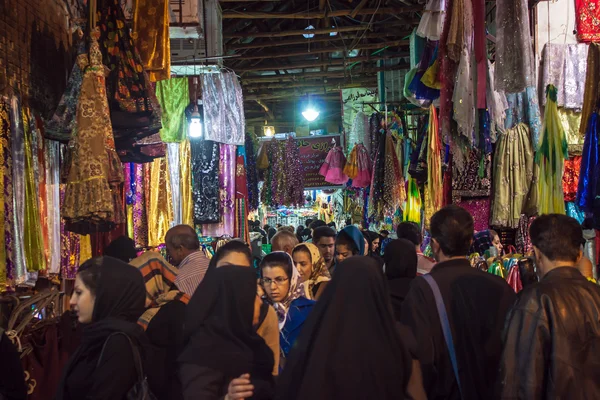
<point>227,166</point>
<point>319,273</point>
<point>588,175</point>
<point>159,278</point>
<point>393,186</point>
<point>412,211</point>
<point>205,181</point>
<point>251,173</point>
<point>434,164</point>
<point>550,157</point>
<point>351,167</point>
<point>151,37</point>
<point>295,174</point>
<point>241,229</point>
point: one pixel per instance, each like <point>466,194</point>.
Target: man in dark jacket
<point>476,304</point>
<point>552,338</point>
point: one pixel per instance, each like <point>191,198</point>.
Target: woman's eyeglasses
<point>280,280</point>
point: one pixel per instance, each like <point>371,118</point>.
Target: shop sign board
<point>313,152</point>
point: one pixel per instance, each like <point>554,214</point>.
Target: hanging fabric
<point>589,176</point>
<point>205,181</point>
<point>18,198</point>
<point>550,157</point>
<point>333,167</point>
<point>185,174</point>
<point>364,168</point>
<point>587,15</point>
<point>592,86</point>
<point>135,112</point>
<point>412,211</point>
<point>223,106</point>
<point>69,248</point>
<point>515,69</point>
<point>571,177</point>
<point>173,96</point>
<point>431,23</point>
<point>159,200</point>
<point>394,194</point>
<point>151,37</point>
<point>514,180</point>
<point>448,65</point>
<point>33,241</point>
<point>524,108</point>
<point>496,104</point>
<point>241,229</point>
<point>464,97</point>
<point>4,139</point>
<point>251,173</point>
<point>174,177</point>
<point>359,130</point>
<point>295,181</point>
<point>351,167</point>
<point>62,123</point>
<point>140,215</point>
<point>227,168</point>
<point>565,66</point>
<point>434,200</point>
<point>91,203</point>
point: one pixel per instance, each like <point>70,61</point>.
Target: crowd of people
<point>334,315</point>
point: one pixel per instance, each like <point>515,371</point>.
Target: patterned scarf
<point>159,277</point>
<point>295,291</point>
<point>319,273</point>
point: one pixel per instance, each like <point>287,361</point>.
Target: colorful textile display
<point>227,170</point>
<point>18,198</point>
<point>33,241</point>
<point>589,177</point>
<point>480,209</point>
<point>464,97</point>
<point>294,190</point>
<point>571,121</point>
<point>515,69</point>
<point>185,176</point>
<point>571,177</point>
<point>592,86</point>
<point>575,212</point>
<point>4,138</point>
<point>91,203</point>
<point>351,167</point>
<point>135,112</point>
<point>251,173</point>
<point>524,108</point>
<point>62,123</point>
<point>474,180</point>
<point>173,96</point>
<point>550,158</point>
<point>151,36</point>
<point>448,65</point>
<point>173,164</point>
<point>496,104</point>
<point>205,181</point>
<point>359,131</point>
<point>52,188</point>
<point>514,178</point>
<point>565,66</point>
<point>159,206</point>
<point>587,16</point>
<point>416,86</point>
<point>394,194</point>
<point>140,216</point>
<point>431,23</point>
<point>364,168</point>
<point>241,229</point>
<point>374,134</point>
<point>223,108</point>
<point>434,199</point>
<point>523,240</point>
<point>333,167</point>
<point>412,210</point>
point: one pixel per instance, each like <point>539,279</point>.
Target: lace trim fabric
<point>565,66</point>
<point>223,105</point>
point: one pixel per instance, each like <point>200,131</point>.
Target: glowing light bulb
<point>195,128</point>
<point>310,114</point>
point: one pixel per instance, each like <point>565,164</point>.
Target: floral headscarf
<point>295,291</point>
<point>319,273</point>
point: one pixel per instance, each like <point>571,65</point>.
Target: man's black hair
<point>321,232</point>
<point>317,224</point>
<point>557,236</point>
<point>409,231</point>
<point>452,228</point>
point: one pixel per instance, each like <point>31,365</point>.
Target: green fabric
<point>173,96</point>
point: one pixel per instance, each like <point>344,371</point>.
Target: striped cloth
<point>159,278</point>
<point>191,272</point>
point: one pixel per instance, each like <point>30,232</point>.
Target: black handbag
<point>140,390</point>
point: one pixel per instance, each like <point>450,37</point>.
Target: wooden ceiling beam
<point>336,38</point>
<point>359,7</point>
<point>294,32</point>
<point>318,75</point>
<point>372,46</point>
<point>331,63</point>
<point>330,84</point>
<point>318,14</point>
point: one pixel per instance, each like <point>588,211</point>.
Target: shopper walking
<point>400,268</point>
<point>109,297</point>
<point>460,342</point>
<point>350,346</point>
<point>313,273</point>
<point>324,239</point>
<point>222,347</point>
<point>183,247</point>
<point>552,341</point>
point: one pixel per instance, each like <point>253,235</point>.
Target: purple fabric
<point>8,201</point>
<point>227,168</point>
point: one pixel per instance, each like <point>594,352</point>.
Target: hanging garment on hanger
<point>431,23</point>
<point>550,157</point>
<point>565,66</point>
<point>524,108</point>
<point>205,181</point>
<point>151,33</point>
<point>587,15</point>
<point>364,168</point>
<point>333,167</point>
<point>223,106</point>
<point>227,168</point>
<point>589,178</point>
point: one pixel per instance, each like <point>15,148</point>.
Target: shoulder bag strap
<point>441,308</point>
<point>137,359</point>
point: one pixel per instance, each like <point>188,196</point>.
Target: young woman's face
<point>303,262</point>
<point>234,258</point>
<point>376,245</point>
<point>342,252</point>
<point>497,244</point>
<point>82,301</point>
<point>276,283</point>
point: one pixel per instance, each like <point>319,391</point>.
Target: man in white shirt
<point>183,247</point>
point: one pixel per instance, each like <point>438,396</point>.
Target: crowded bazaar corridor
<point>299,199</point>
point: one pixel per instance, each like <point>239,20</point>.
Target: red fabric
<point>571,177</point>
<point>587,14</point>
